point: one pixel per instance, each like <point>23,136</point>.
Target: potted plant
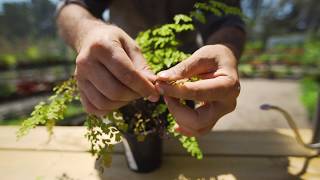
<point>141,124</point>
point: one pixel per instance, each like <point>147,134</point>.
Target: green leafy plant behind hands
<point>160,47</point>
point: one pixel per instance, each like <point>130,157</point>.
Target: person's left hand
<point>217,89</point>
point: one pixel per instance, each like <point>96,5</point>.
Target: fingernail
<point>153,98</point>
<point>163,74</point>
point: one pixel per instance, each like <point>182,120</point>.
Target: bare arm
<point>73,22</point>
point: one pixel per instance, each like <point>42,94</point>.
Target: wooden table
<point>242,155</point>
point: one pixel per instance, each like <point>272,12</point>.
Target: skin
<point>107,51</point>
<point>218,88</point>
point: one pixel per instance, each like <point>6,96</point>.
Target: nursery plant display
<point>140,119</point>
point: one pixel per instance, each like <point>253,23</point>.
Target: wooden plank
<point>247,143</point>
<point>64,139</point>
<point>226,143</point>
<point>16,165</point>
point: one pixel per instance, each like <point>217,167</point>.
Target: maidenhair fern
<point>160,48</point>
<point>48,113</point>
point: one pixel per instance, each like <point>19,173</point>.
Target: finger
<point>186,132</point>
<point>98,100</point>
<point>109,86</point>
<point>211,112</point>
<point>134,53</point>
<point>196,133</point>
<point>209,119</point>
<point>199,121</point>
<point>216,89</point>
<point>207,75</point>
<point>194,65</point>
<point>205,131</point>
<point>184,115</point>
<point>89,108</point>
<point>123,69</point>
<point>140,63</point>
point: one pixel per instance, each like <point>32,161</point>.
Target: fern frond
<point>48,113</point>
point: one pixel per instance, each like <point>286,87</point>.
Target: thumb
<point>192,66</point>
<point>179,71</point>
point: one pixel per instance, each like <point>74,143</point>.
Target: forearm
<point>232,37</point>
<point>73,23</point>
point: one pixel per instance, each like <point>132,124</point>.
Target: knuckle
<point>136,48</point>
<point>233,85</point>
<point>98,44</point>
<point>129,76</point>
<point>116,56</point>
<point>82,61</point>
<point>114,44</point>
<point>231,82</point>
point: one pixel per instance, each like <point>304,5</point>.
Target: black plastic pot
<point>145,156</point>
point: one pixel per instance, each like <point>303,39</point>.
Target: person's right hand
<point>110,70</point>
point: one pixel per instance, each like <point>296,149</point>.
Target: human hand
<point>217,89</point>
<point>110,70</point>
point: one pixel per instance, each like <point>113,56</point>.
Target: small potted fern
<point>141,124</point>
